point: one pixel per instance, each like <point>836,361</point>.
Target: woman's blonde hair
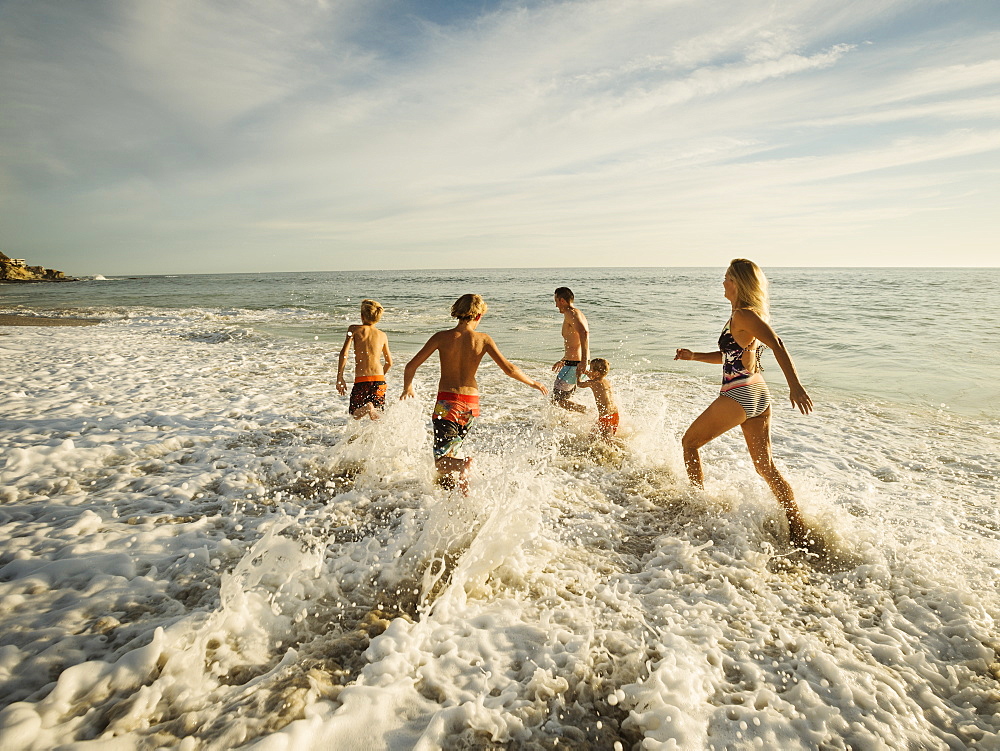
<point>751,286</point>
<point>468,307</point>
<point>371,311</point>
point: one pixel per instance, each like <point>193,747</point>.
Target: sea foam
<point>201,549</point>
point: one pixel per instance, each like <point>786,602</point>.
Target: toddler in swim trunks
<point>607,410</point>
<point>371,346</point>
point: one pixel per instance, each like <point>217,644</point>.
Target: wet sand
<point>16,320</point>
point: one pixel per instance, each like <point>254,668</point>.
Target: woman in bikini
<point>744,399</point>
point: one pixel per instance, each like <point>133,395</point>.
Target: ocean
<point>199,549</point>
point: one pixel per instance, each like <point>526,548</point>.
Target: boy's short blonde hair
<point>600,365</point>
<point>468,307</point>
<point>371,311</point>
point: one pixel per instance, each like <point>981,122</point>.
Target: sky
<point>189,136</point>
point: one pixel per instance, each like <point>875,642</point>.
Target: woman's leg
<point>723,414</point>
<point>757,432</point>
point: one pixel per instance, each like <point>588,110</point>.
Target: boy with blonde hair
<point>607,410</point>
<point>371,347</point>
<point>460,350</point>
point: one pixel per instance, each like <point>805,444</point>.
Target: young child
<point>460,350</point>
<point>371,347</point>
<point>607,411</point>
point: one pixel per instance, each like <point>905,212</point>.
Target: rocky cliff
<point>16,270</point>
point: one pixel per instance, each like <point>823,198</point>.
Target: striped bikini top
<point>732,356</point>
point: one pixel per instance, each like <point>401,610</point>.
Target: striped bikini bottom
<point>751,393</point>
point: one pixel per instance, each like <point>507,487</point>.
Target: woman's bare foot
<point>802,537</point>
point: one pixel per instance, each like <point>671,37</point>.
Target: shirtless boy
<point>460,351</point>
<point>607,410</point>
<point>371,346</point>
<point>576,350</point>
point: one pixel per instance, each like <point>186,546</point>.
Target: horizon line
<point>452,270</point>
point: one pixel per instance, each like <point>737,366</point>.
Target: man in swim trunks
<point>371,346</point>
<point>576,350</point>
<point>460,350</point>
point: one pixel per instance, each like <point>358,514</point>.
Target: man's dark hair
<point>564,293</point>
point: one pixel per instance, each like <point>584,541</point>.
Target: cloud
<point>526,130</point>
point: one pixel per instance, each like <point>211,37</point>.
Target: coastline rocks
<point>15,270</point>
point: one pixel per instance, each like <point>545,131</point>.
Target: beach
<point>791,541</point>
<point>200,549</point>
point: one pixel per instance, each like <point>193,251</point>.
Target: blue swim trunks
<point>566,378</point>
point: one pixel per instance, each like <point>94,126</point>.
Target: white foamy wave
<point>199,547</point>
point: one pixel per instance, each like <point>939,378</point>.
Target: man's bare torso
<point>573,322</point>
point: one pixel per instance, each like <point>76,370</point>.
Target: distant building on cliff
<point>18,270</point>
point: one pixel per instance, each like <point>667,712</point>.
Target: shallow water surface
<point>201,550</point>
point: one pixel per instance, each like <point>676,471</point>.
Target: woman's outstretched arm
<point>713,358</point>
<point>747,320</point>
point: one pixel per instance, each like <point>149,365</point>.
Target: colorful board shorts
<point>453,417</point>
<point>607,425</point>
<point>565,379</point>
<point>368,390</point>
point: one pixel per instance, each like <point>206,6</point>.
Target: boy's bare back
<point>369,345</point>
<point>371,349</point>
<point>460,352</point>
